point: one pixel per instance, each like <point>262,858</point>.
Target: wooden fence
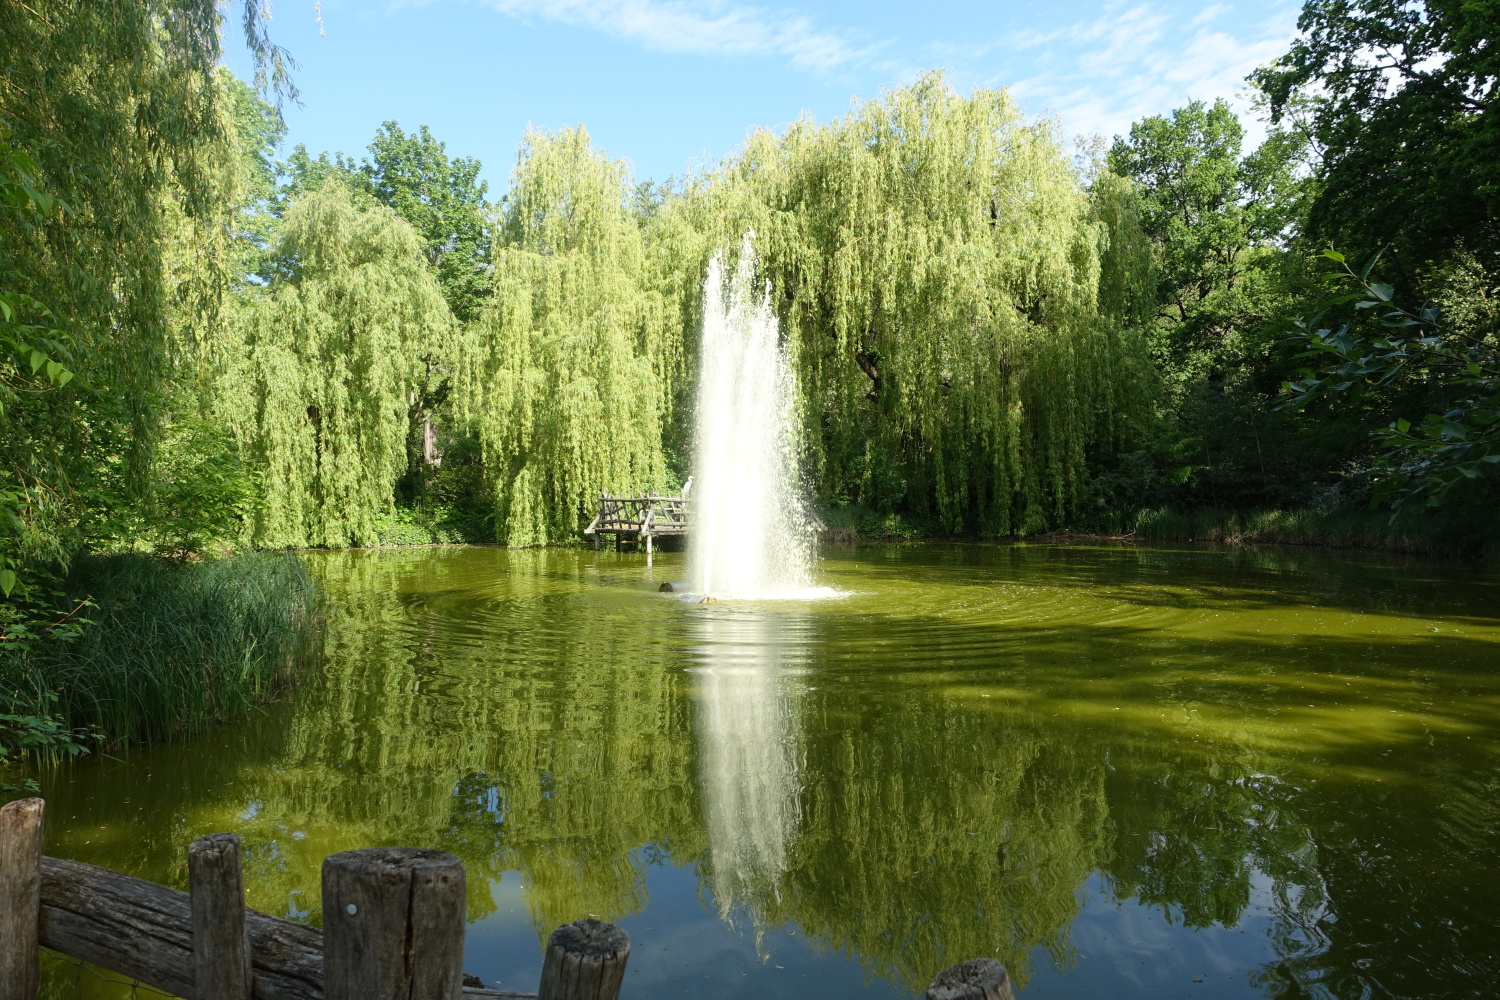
<point>393,929</point>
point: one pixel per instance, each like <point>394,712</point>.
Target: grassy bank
<point>169,648</point>
<point>1443,532</point>
<point>1423,532</point>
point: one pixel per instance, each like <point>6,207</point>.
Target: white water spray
<point>751,534</point>
<point>746,695</point>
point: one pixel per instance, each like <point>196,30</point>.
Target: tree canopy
<point>1400,97</point>
<point>937,265</point>
<point>203,342</point>
<point>320,366</point>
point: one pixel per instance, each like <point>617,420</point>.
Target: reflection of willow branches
<point>544,741</point>
<point>931,836</point>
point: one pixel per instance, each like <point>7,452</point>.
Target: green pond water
<point>1123,771</point>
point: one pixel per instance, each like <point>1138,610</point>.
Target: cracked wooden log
<point>221,943</point>
<point>585,961</point>
<point>145,931</point>
<point>20,897</point>
<point>393,925</point>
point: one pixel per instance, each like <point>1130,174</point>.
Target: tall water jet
<point>751,534</point>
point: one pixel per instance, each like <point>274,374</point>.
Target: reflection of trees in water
<point>482,706</point>
<point>933,835</point>
<point>514,728</point>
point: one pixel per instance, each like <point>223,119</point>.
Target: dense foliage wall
<point>321,366</point>
<point>566,375</point>
<point>937,265</point>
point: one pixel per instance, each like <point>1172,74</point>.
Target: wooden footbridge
<point>640,519</point>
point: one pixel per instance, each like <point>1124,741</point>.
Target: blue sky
<point>664,83</point>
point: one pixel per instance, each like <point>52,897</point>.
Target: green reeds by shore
<point>169,649</point>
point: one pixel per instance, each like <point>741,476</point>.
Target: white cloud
<point>1097,74</point>
<point>710,27</point>
<point>1100,75</point>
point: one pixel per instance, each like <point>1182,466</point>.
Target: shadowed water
<point>1125,772</point>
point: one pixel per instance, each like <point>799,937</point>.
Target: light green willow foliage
<point>937,268</point>
<point>567,374</point>
<point>320,369</point>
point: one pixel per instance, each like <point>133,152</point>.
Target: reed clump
<point>170,648</point>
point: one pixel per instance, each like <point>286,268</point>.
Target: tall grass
<point>172,648</point>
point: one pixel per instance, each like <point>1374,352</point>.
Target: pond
<point>1122,771</point>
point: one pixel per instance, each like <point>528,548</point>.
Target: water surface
<point>1124,772</point>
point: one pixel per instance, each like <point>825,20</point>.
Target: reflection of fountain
<point>747,752</point>
<point>750,531</point>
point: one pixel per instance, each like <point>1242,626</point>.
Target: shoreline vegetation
<point>168,649</point>
<point>1411,533</point>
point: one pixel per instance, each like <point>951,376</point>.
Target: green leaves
<point>1446,453</point>
<point>320,368</point>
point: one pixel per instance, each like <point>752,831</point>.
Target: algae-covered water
<point>1123,771</point>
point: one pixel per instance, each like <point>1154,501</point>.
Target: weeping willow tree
<point>120,114</point>
<point>567,375</point>
<point>321,367</point>
<point>937,266</point>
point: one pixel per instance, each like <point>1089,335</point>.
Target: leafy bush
<point>1357,528</point>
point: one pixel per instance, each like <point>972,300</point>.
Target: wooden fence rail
<point>393,929</point>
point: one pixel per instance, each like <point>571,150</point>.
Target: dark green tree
<point>1218,220</point>
<point>1400,98</point>
<point>1213,214</point>
<point>444,201</point>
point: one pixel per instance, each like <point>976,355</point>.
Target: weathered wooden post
<point>976,979</point>
<point>221,942</point>
<point>393,925</point>
<point>585,961</point>
<point>20,897</point>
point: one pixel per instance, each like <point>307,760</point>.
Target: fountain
<point>752,536</point>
